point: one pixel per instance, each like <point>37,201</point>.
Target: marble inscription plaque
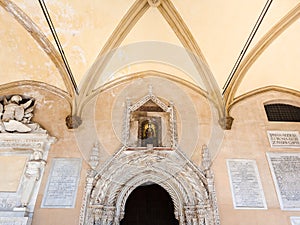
<point>285,169</point>
<point>246,188</point>
<point>13,220</point>
<point>62,183</point>
<point>295,220</point>
<point>284,139</point>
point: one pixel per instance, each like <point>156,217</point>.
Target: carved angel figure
<point>13,110</point>
<point>15,114</point>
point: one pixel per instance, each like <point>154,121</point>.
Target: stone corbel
<point>226,122</point>
<point>73,121</point>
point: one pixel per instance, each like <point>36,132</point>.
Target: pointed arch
<point>169,12</point>
<point>27,23</point>
<point>186,184</point>
<point>254,54</point>
<point>263,90</point>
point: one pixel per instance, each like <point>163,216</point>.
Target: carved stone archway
<point>190,188</point>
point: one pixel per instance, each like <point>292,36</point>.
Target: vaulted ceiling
<point>215,31</point>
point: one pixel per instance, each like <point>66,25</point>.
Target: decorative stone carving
<point>161,114</point>
<point>109,186</point>
<point>191,191</point>
<point>94,157</point>
<point>33,173</point>
<point>16,113</point>
<point>35,145</point>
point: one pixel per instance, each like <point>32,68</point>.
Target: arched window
<point>282,112</point>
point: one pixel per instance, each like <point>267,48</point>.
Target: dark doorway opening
<point>148,205</point>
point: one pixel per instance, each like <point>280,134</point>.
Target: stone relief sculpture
<point>33,173</point>
<point>20,136</point>
<point>16,113</point>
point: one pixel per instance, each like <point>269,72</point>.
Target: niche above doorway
<point>150,123</point>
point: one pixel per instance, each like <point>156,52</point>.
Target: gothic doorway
<point>147,205</point>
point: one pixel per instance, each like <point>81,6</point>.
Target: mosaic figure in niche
<point>149,133</point>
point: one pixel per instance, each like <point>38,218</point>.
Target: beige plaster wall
<point>248,140</point>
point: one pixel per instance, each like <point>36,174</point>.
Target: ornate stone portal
<point>108,187</point>
<point>27,142</point>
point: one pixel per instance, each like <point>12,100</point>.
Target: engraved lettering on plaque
<point>284,139</point>
<point>285,169</point>
<point>62,183</point>
<point>246,188</point>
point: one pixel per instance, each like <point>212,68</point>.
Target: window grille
<point>282,112</point>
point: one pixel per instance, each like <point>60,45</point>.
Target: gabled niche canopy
<point>150,122</point>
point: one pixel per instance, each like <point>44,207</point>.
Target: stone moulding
<point>191,189</point>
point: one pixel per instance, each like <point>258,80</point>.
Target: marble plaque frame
<point>259,187</point>
<point>295,220</point>
<point>56,183</point>
<point>289,142</point>
<point>13,220</point>
<point>284,203</point>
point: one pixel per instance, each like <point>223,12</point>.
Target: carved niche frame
<point>190,187</point>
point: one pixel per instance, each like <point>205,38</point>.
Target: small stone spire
<point>94,157</point>
<point>150,89</point>
<point>206,160</point>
